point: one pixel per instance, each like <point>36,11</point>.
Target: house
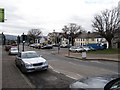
<point>41,39</point>
<point>89,38</point>
<point>57,38</point>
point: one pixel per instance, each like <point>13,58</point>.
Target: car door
<point>19,59</point>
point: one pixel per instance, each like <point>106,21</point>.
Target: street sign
<point>1,15</point>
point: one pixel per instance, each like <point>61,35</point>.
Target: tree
<point>33,34</point>
<point>71,31</point>
<point>107,24</point>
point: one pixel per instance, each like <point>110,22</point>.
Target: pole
<point>23,47</point>
<point>23,41</point>
<point>18,47</point>
<point>69,46</point>
<point>18,42</point>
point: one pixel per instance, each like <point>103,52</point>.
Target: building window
<point>83,39</point>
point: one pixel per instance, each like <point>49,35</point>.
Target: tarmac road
<point>13,78</point>
<point>62,71</point>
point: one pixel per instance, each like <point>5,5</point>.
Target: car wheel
<point>16,63</point>
<point>23,69</point>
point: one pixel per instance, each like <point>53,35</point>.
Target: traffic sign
<point>1,15</point>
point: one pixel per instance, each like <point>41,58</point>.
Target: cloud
<point>22,15</point>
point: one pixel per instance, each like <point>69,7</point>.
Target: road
<point>76,69</point>
<point>62,70</point>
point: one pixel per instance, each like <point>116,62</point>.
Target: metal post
<point>23,46</point>
<point>23,41</point>
<point>69,46</point>
<point>18,42</point>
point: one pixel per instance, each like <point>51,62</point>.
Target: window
<point>83,39</point>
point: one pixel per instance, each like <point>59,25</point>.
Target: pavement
<point>103,57</point>
<point>11,76</point>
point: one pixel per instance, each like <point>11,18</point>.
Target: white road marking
<point>50,67</point>
<point>56,71</point>
<point>71,77</point>
<point>67,74</point>
<point>53,69</point>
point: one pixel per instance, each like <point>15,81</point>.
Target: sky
<point>49,15</point>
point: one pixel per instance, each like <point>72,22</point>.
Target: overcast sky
<point>47,15</point>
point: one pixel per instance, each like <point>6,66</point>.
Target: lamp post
<point>18,42</point>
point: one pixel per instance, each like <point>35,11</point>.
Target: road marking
<point>51,67</point>
<point>56,71</point>
<point>71,77</point>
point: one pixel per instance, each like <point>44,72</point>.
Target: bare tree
<point>33,34</point>
<point>71,31</point>
<point>107,24</point>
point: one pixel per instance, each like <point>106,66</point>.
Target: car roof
<point>14,47</point>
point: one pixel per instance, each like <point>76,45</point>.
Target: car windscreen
<point>29,55</point>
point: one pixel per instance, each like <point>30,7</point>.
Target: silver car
<point>13,51</point>
<point>103,82</point>
<point>30,61</point>
<point>76,49</point>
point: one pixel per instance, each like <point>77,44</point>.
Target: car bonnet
<point>34,60</point>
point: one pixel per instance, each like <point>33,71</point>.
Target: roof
<point>89,35</point>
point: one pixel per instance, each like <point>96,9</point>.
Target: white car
<point>13,51</point>
<point>76,49</point>
<point>86,48</point>
<point>29,61</point>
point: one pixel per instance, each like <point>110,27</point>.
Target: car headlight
<point>28,65</point>
<point>45,63</point>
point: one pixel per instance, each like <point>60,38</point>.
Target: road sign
<point>1,15</point>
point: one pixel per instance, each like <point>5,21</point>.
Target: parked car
<point>105,82</point>
<point>48,46</point>
<point>7,47</point>
<point>13,51</point>
<point>30,61</point>
<point>76,49</point>
<point>32,45</point>
<point>86,48</point>
<point>96,46</point>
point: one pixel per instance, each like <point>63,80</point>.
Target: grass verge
<point>106,51</point>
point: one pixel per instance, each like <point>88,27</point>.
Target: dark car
<point>106,82</point>
<point>7,47</point>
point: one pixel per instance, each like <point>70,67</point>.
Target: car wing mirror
<point>113,85</point>
<point>40,55</point>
